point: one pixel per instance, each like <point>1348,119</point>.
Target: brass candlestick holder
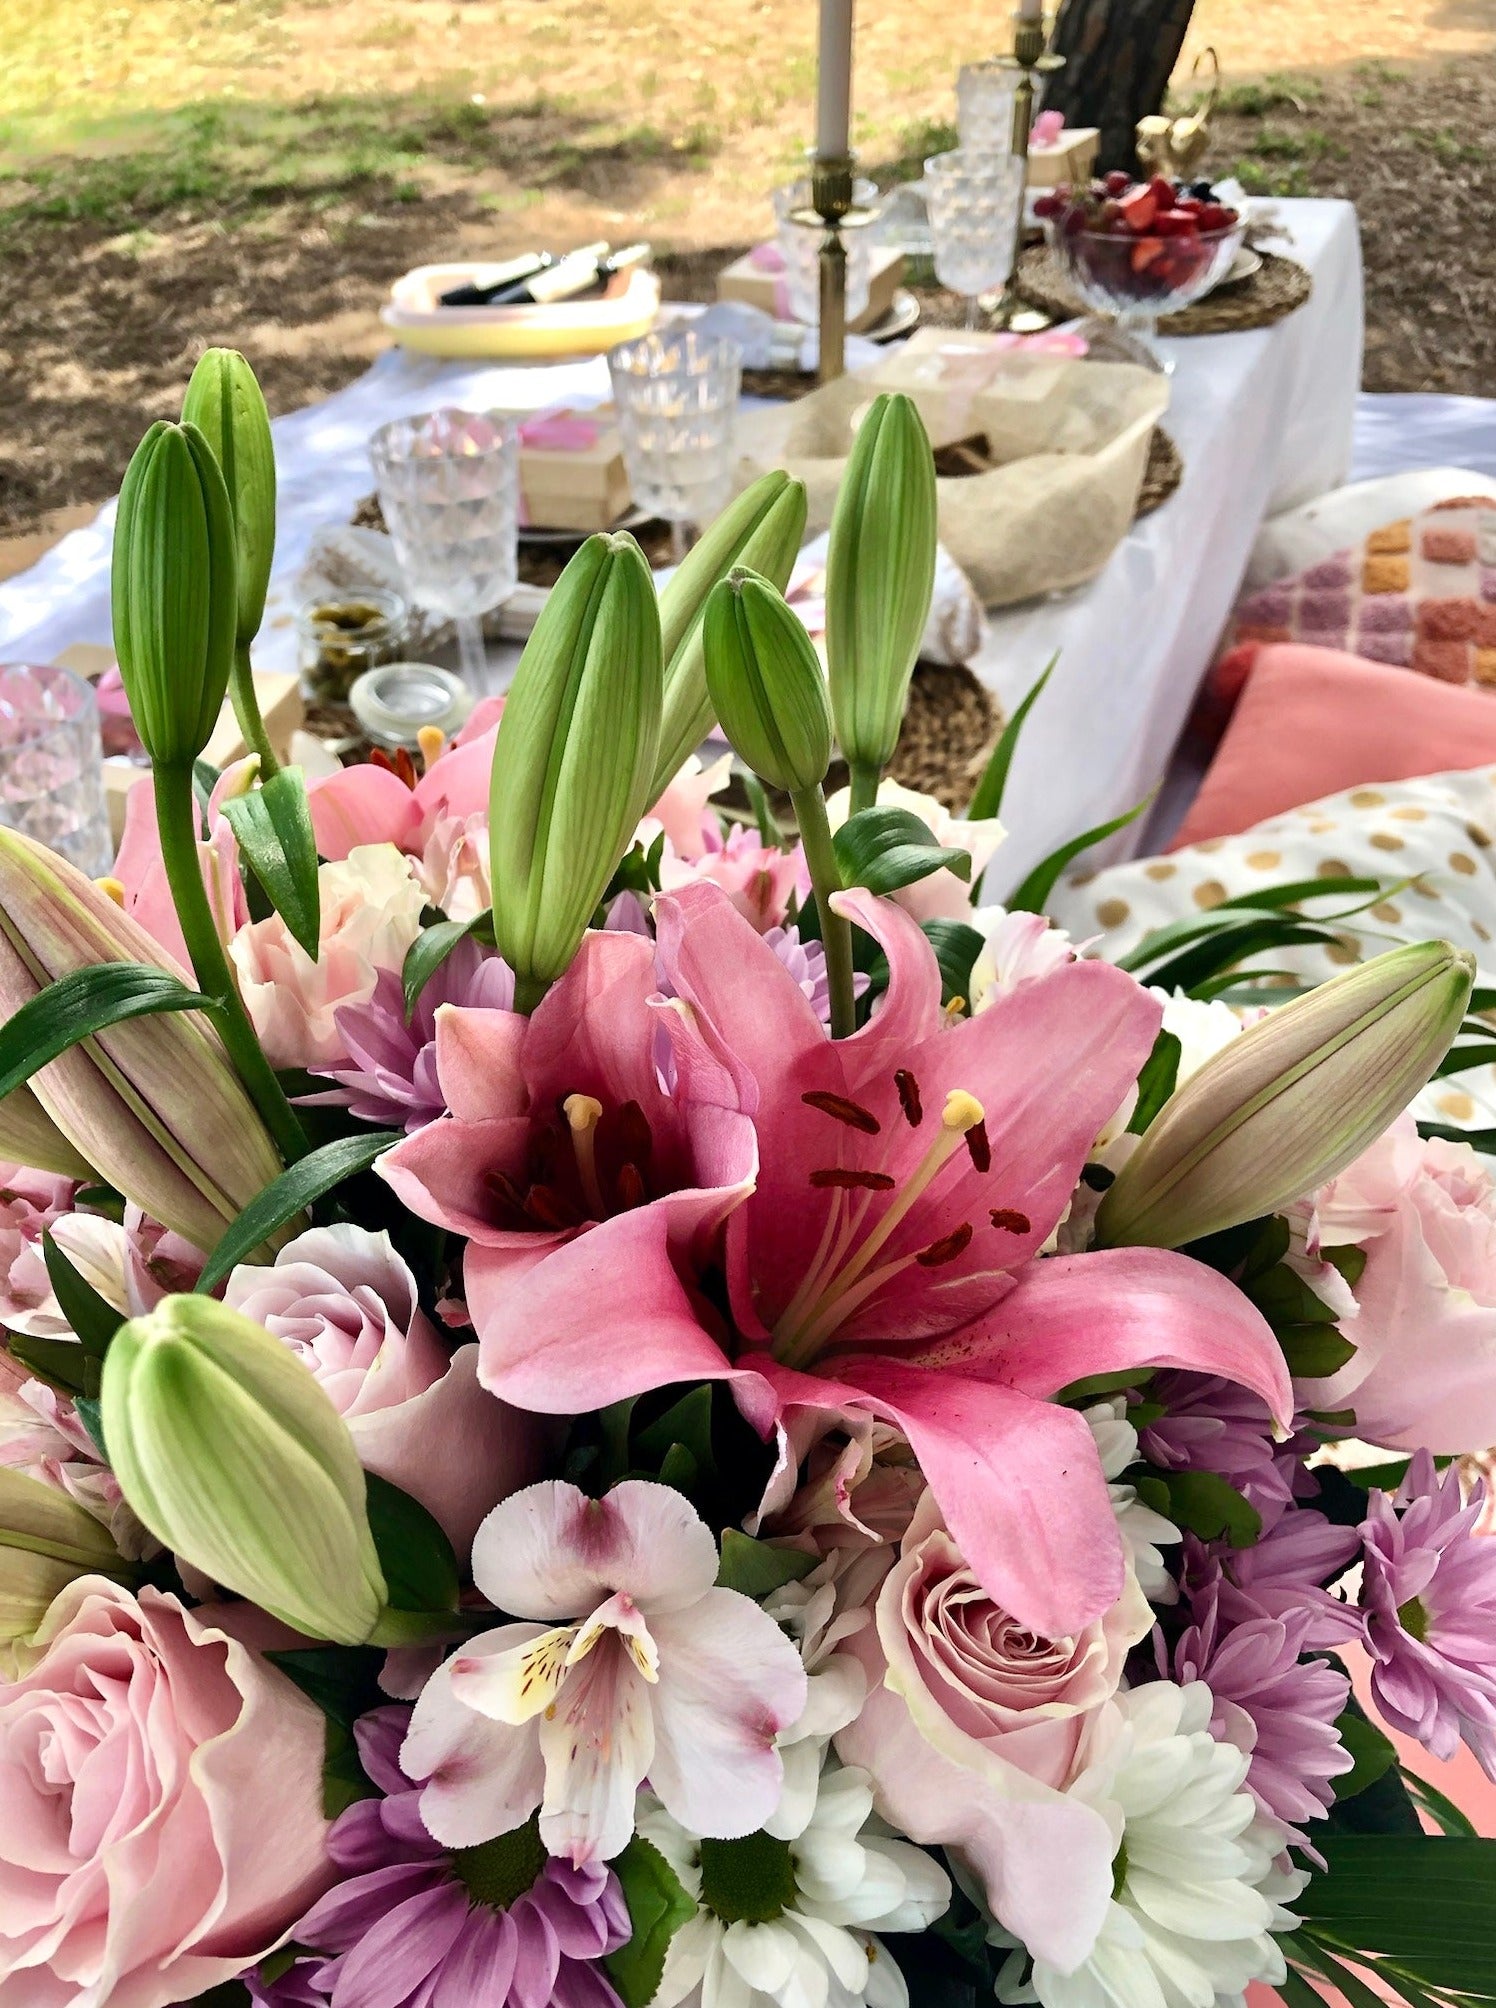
<point>1032,58</point>
<point>832,210</point>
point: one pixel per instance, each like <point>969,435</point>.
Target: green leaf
<point>273,824</point>
<point>1373,1752</point>
<point>1459,1059</point>
<point>657,1907</point>
<point>1096,1387</point>
<point>1205,1504</point>
<point>94,1321</point>
<point>59,1362</point>
<point>82,1003</point>
<point>687,1423</point>
<point>1351,1985</point>
<point>1428,1905</point>
<point>427,953</point>
<point>419,1566</point>
<point>227,1994</point>
<point>638,871</point>
<point>344,1779</point>
<point>756,1567</point>
<point>1478,1139</point>
<point>1286,1299</point>
<point>1314,1352</point>
<point>1033,894</point>
<point>343,1680</point>
<point>1445,1814</point>
<point>885,848</point>
<point>90,1412</point>
<point>291,1194</point>
<point>1156,1081</point>
<point>988,799</point>
<point>1348,1259</point>
<point>1296,1991</point>
<point>956,947</point>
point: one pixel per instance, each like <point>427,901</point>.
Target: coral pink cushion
<point>1312,721</point>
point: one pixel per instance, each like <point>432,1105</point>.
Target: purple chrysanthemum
<point>1211,1424</point>
<point>1273,1703</point>
<point>1283,1574</point>
<point>391,1079</point>
<point>417,1925</point>
<point>1429,1591</point>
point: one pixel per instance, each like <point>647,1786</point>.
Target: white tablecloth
<point>1262,420</point>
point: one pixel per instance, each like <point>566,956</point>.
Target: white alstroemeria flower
<point>1200,1878</point>
<point>1143,1531</point>
<point>790,1922</point>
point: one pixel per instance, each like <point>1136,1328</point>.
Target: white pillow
<point>1301,537</point>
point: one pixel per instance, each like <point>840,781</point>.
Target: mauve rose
<point>1424,1372</point>
<point>973,1726</point>
<point>345,1303</point>
<point>162,1787</point>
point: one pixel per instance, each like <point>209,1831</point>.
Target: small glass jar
<point>394,704</point>
<point>341,638</point>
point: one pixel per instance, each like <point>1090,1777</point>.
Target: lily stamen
<point>583,1114</point>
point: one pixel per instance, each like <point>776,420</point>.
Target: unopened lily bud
<point>233,1456</point>
<point>174,593</point>
<point>766,683</point>
<point>575,756</point>
<point>153,1104</point>
<point>762,529</point>
<point>880,574</point>
<point>46,1539</point>
<point>29,1136</point>
<point>1292,1101</point>
<point>226,404</point>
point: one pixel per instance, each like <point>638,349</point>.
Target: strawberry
<point>1139,207</point>
<point>1216,216</point>
<point>1175,223</point>
<point>1163,191</point>
<point>1147,251</point>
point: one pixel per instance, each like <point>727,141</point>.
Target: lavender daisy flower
<point>391,1079</point>
<point>1211,1424</point>
<point>1282,1574</point>
<point>1273,1703</point>
<point>414,1923</point>
<point>1429,1590</point>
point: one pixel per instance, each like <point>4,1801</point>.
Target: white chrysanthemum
<point>1199,1879</point>
<point>1143,1531</point>
<point>1203,1028</point>
<point>791,1921</point>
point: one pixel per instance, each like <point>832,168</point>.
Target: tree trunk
<point>1118,58</point>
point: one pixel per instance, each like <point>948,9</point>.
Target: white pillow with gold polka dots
<point>1438,833</point>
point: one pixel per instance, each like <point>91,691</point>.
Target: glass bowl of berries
<point>1136,251</point>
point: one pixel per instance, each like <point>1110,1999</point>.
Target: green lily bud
<point>46,1539</point>
<point>880,574</point>
<point>574,758</point>
<point>1292,1101</point>
<point>174,592</point>
<point>152,1104</point>
<point>766,683</point>
<point>226,404</point>
<point>232,1455</point>
<point>29,1136</point>
<point>762,529</point>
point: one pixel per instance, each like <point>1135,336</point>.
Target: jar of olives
<point>340,639</point>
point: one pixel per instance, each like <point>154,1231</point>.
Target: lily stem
<point>865,781</point>
<point>836,929</point>
<point>247,711</point>
<point>176,818</point>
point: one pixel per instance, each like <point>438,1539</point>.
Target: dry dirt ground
<point>175,172</point>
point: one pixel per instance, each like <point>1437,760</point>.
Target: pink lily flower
<point>560,1129</point>
<point>884,1265</point>
<point>638,1666</point>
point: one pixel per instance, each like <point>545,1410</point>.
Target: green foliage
<point>1203,1503</point>
<point>1156,1082</point>
<point>273,824</point>
<point>1423,1907</point>
<point>344,1683</point>
<point>1033,895</point>
<point>290,1194</point>
<point>1373,1752</point>
<point>885,848</point>
<point>758,1568</point>
<point>988,799</point>
<point>429,951</point>
<point>658,1907</point>
<point>93,1320</point>
<point>82,1003</point>
<point>420,1569</point>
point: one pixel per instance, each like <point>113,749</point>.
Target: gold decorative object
<point>1030,57</point>
<point>832,210</point>
<point>1176,146</point>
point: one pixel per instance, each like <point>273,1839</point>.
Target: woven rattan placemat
<point>1277,289</point>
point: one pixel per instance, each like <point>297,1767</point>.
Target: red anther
<point>549,1208</point>
<point>630,1185</point>
<point>909,1100</point>
<point>1009,1221</point>
<point>947,1248</point>
<point>844,1110</point>
<point>979,1148</point>
<point>852,1181</point>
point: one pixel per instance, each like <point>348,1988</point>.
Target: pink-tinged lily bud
<point>29,1136</point>
<point>46,1539</point>
<point>232,1455</point>
<point>153,1104</point>
<point>1292,1101</point>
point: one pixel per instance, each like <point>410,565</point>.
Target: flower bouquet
<point>609,1406</point>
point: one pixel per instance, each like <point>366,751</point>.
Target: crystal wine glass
<point>985,94</point>
<point>975,201</point>
<point>448,485</point>
<point>1137,279</point>
<point>676,394</point>
<point>52,764</point>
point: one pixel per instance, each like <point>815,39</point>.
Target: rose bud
<point>761,529</point>
<point>174,592</point>
<point>574,759</point>
<point>766,683</point>
<point>880,574</point>
<point>235,1459</point>
<point>1292,1101</point>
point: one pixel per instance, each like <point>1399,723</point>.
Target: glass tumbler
<point>800,248</point>
<point>448,485</point>
<point>676,395</point>
<point>975,202</point>
<point>985,93</point>
<point>52,764</point>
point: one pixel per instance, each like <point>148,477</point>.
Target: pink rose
<point>1424,1373</point>
<point>162,1788</point>
<point>371,913</point>
<point>974,1726</point>
<point>345,1303</point>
